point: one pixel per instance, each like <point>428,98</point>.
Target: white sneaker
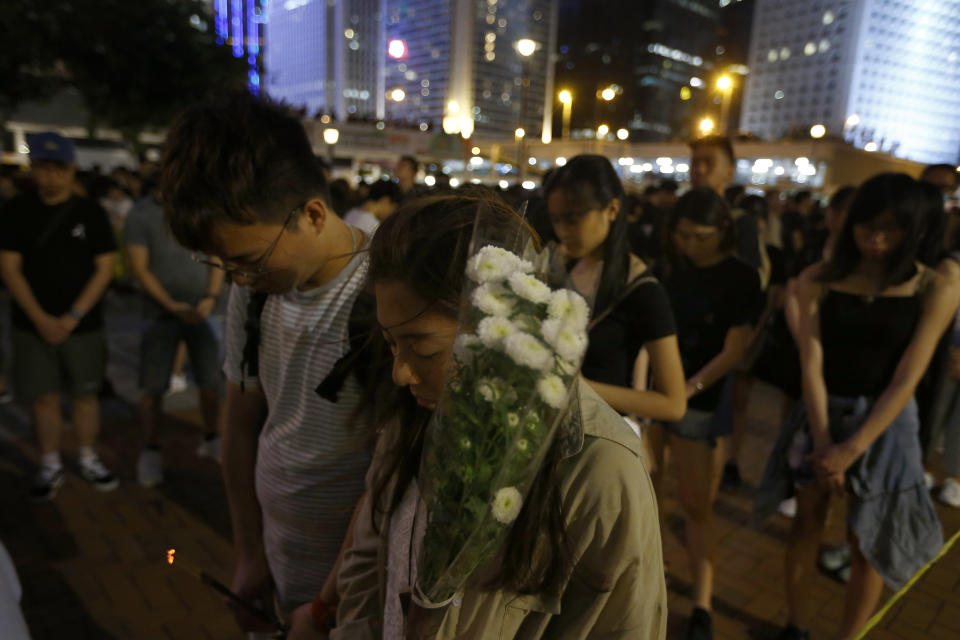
<point>178,384</point>
<point>209,448</point>
<point>99,476</point>
<point>950,492</point>
<point>150,468</point>
<point>788,508</point>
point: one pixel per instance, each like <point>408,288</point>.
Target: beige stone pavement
<point>92,565</point>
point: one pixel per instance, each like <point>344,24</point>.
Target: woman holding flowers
<point>630,308</point>
<point>716,299</point>
<point>506,499</point>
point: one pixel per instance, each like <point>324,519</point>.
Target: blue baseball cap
<point>50,146</point>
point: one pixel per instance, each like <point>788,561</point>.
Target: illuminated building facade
<point>239,25</point>
<point>657,55</point>
<point>882,75</point>
<point>456,64</point>
<point>328,57</point>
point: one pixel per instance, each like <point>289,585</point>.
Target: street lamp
<point>526,48</point>
<point>725,85</point>
<point>397,95</point>
<point>602,131</point>
<point>622,134</point>
<point>608,94</point>
<point>331,136</point>
<point>818,131</point>
<point>706,126</point>
<point>519,133</point>
<point>566,99</point>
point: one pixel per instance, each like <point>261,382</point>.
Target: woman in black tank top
<point>868,321</point>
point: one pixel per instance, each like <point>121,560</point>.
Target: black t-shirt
<point>59,269</point>
<point>642,317</point>
<point>708,302</point>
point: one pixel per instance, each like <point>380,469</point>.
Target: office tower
<point>882,75</point>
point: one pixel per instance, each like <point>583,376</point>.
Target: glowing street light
<point>566,99</point>
<point>853,120</point>
<point>622,134</point>
<point>724,83</point>
<point>331,136</point>
<point>608,94</point>
<point>706,126</point>
<point>526,47</point>
<point>602,131</point>
<point>818,131</point>
<point>397,95</point>
<point>519,133</point>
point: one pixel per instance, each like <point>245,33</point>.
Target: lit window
<point>349,33</point>
<point>773,55</point>
<point>828,17</point>
<point>784,53</point>
<point>778,95</point>
<point>824,45</point>
<point>809,49</point>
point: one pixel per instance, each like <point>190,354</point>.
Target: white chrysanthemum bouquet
<point>520,348</point>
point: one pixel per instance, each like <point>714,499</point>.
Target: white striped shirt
<point>310,459</point>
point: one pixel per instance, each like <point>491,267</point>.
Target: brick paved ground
<point>92,565</point>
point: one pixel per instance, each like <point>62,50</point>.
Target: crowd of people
<point>341,319</point>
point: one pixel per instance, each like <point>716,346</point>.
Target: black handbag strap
<point>632,286</point>
<point>54,223</point>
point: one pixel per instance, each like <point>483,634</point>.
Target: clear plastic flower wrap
<point>518,350</point>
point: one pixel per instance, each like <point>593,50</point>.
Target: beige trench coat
<point>613,531</point>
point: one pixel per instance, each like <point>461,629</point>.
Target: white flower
<point>528,351</point>
<point>522,444</point>
<point>493,300</point>
<point>506,505</point>
<point>491,264</point>
<point>566,368</point>
<point>463,347</point>
<point>465,443</point>
<point>529,287</point>
<point>493,331</point>
<point>570,345</point>
<point>552,391</point>
<point>513,420</point>
<point>570,308</point>
<point>488,389</point>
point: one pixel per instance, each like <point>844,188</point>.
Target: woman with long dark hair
<point>583,556</point>
<point>630,309</point>
<point>716,299</point>
<point>868,321</point>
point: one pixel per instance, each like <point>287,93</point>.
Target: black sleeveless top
<point>863,339</point>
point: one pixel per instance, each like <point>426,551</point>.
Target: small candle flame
<point>170,553</point>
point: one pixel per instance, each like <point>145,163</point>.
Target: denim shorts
<point>158,351</point>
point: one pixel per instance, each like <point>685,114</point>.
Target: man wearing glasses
<point>179,296</point>
<point>239,181</point>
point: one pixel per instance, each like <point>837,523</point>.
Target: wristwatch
<point>698,385</point>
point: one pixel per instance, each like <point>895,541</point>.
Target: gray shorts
<point>158,351</point>
<point>76,366</point>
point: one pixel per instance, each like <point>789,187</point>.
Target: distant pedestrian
<point>56,257</point>
<point>179,296</point>
<point>382,199</point>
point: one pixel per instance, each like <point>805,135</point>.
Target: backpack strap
<point>357,359</point>
<point>250,362</point>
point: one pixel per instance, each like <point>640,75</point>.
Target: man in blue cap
<point>56,257</point>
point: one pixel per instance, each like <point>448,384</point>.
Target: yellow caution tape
<point>878,616</point>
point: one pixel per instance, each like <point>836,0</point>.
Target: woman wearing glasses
<point>716,299</point>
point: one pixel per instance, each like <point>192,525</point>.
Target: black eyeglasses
<point>259,268</point>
